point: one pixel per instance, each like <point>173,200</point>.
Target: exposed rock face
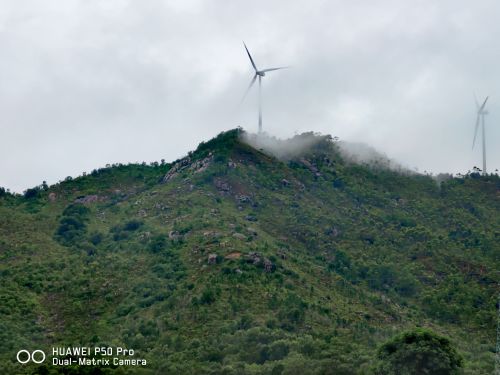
<point>211,234</point>
<point>186,164</point>
<point>52,197</point>
<point>285,182</point>
<point>334,232</point>
<point>282,253</point>
<point>222,185</point>
<point>160,206</point>
<point>233,255</point>
<point>252,231</point>
<point>311,167</point>
<point>260,261</point>
<point>176,168</point>
<point>87,199</point>
<point>212,258</point>
<point>243,198</point>
<point>268,265</point>
<point>239,236</point>
<point>174,235</point>
<point>145,236</point>
<point>201,165</point>
<point>254,258</point>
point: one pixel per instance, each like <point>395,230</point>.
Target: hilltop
<point>242,258</point>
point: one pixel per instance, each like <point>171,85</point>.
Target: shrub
<point>419,351</point>
<point>72,224</point>
<point>96,238</point>
<point>207,297</point>
<point>32,193</point>
<point>132,225</point>
<point>157,244</point>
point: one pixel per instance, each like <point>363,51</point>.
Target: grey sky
<point>86,83</point>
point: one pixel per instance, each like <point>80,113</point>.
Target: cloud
<point>90,83</point>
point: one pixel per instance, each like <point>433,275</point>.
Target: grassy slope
<point>359,255</point>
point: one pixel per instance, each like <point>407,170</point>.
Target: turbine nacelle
<point>262,74</point>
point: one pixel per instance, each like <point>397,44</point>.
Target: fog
<point>301,144</point>
<point>283,149</point>
<point>361,153</point>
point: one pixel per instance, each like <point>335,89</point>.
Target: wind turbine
<point>481,112</point>
<point>258,73</point>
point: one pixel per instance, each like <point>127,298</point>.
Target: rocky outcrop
<point>212,258</point>
<point>258,260</point>
<point>333,231</point>
<point>222,186</point>
<point>201,165</point>
<point>176,169</point>
<point>243,198</point>
<point>252,231</point>
<point>174,235</point>
<point>187,164</point>
<point>87,199</point>
<point>239,236</point>
<point>268,265</point>
<point>254,257</point>
<point>311,167</point>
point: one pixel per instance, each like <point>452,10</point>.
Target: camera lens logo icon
<point>24,356</point>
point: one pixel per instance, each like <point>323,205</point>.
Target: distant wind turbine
<point>260,74</point>
<point>481,112</point>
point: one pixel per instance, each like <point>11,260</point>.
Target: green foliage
<point>132,225</point>
<point>72,225</point>
<point>224,142</point>
<point>246,264</point>
<point>32,193</point>
<point>207,297</point>
<point>157,244</point>
<point>418,351</point>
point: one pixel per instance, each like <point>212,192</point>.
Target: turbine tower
<point>481,113</point>
<point>258,73</point>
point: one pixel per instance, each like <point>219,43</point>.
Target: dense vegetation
<point>231,261</point>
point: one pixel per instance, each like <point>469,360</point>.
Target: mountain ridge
<point>304,261</point>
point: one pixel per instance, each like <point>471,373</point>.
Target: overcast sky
<point>85,83</point>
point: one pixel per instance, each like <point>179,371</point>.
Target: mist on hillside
<point>361,153</point>
<point>351,152</point>
<point>284,149</point>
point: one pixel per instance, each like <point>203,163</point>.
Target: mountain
<point>278,257</point>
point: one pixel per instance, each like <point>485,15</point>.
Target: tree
<point>32,192</point>
<point>418,351</point>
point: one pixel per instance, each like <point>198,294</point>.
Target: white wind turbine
<point>258,73</point>
<point>481,113</point>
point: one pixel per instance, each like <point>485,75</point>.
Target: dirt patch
<point>233,255</point>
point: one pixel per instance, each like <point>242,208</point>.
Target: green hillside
<point>231,261</point>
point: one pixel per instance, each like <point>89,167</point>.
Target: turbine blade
<point>271,69</point>
<point>485,100</point>
<point>476,128</point>
<point>250,57</point>
<point>477,102</point>
<point>249,87</point>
